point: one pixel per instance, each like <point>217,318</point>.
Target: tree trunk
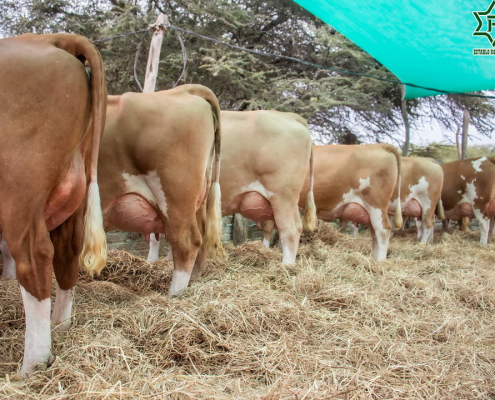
<point>154,55</point>
<point>465,127</point>
<point>458,143</point>
<point>405,149</point>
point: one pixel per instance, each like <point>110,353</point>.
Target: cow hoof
<point>32,368</point>
<point>171,294</point>
<point>8,276</point>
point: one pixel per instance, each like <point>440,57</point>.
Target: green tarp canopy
<point>429,43</point>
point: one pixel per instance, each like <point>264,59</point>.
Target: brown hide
<point>414,170</point>
<point>156,165</point>
<point>47,152</point>
<point>467,188</point>
<point>338,170</point>
<point>263,153</point>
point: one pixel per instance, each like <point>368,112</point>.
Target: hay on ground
<point>335,325</point>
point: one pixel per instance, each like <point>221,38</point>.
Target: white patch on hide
<point>469,195</point>
<point>257,187</point>
<point>462,177</point>
<point>354,195</point>
<point>148,186</point>
<point>477,163</point>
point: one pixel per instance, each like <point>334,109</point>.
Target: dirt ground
<point>335,325</point>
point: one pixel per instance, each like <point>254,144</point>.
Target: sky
<point>434,133</point>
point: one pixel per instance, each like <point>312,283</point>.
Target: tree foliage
<point>334,103</point>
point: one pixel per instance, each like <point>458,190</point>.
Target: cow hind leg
<point>154,253</point>
<point>8,260</point>
<point>428,225</point>
<point>33,251</point>
<point>484,224</point>
<point>268,227</point>
<point>289,228</point>
<point>185,240</point>
<point>67,241</point>
<point>380,233</point>
<point>200,261</point>
<point>491,228</point>
<point>419,228</point>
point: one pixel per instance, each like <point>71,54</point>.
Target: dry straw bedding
<point>336,325</point>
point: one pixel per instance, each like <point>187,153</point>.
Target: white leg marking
<point>62,310</point>
<point>289,248</point>
<point>8,260</point>
<point>484,224</point>
<point>419,228</point>
<point>382,239</point>
<point>266,243</point>
<point>381,235</point>
<point>153,254</point>
<point>170,255</point>
<point>355,230</point>
<point>180,280</point>
<point>38,336</point>
<point>427,236</point>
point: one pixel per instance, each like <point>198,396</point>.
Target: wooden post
<point>405,149</point>
<point>239,229</point>
<point>154,55</point>
<point>465,128</point>
<point>458,143</point>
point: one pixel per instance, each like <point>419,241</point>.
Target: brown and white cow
<point>420,191</point>
<point>265,156</point>
<point>155,171</point>
<point>355,183</point>
<point>51,119</point>
<point>469,191</point>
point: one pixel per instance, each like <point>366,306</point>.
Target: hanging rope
<point>184,58</point>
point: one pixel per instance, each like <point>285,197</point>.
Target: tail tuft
<point>94,253</point>
<point>440,210</point>
<point>309,221</point>
<point>398,215</point>
<point>213,229</point>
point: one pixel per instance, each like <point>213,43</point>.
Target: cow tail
<point>213,225</point>
<point>398,211</point>
<point>440,210</point>
<point>309,221</point>
<point>93,256</point>
<point>213,228</point>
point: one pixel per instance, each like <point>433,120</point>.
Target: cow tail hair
<point>398,210</point>
<point>93,256</point>
<point>440,210</point>
<point>213,228</point>
<point>309,221</point>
